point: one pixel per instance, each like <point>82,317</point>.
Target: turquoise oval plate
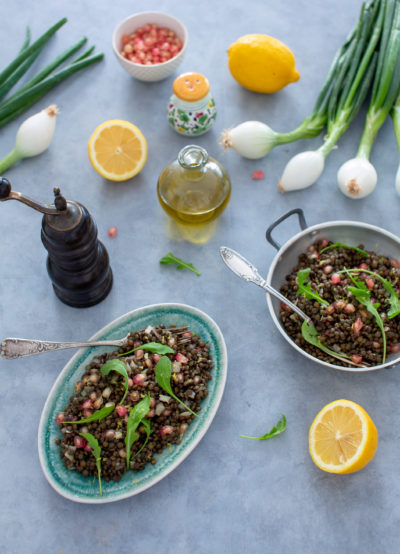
<point>73,485</point>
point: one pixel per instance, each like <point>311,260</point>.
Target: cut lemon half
<point>117,150</point>
<point>342,438</point>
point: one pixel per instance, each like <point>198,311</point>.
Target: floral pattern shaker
<point>191,108</point>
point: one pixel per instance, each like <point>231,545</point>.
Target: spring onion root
<point>33,137</point>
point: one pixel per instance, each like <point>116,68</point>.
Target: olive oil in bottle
<point>194,189</point>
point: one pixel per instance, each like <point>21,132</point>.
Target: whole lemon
<point>262,63</point>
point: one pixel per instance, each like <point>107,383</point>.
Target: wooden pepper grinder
<point>77,262</point>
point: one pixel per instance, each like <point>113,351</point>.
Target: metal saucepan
<point>350,232</point>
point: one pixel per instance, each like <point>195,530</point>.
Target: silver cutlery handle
<point>246,271</point>
<point>12,348</point>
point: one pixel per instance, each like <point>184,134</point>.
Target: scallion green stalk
<point>353,79</point>
<point>357,177</point>
<point>395,113</point>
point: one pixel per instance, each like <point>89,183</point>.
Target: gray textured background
<point>230,495</point>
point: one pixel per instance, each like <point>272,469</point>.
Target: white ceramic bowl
<point>154,72</point>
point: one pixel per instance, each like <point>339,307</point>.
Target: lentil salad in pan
<point>351,295</point>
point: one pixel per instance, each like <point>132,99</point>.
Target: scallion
<point>352,81</point>
<point>357,177</point>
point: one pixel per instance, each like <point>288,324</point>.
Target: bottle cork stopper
<point>191,87</point>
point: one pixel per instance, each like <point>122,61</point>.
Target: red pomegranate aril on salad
<point>150,45</point>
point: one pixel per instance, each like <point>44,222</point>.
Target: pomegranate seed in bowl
<point>150,44</point>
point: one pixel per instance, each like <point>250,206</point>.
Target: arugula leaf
<point>171,259</point>
<point>96,416</point>
<point>364,297</point>
<point>146,425</point>
<point>155,347</point>
<point>344,245</point>
<point>136,415</point>
<point>393,299</point>
<point>163,378</point>
<point>310,334</point>
<point>96,451</point>
<point>276,430</point>
<point>305,289</point>
<point>119,367</point>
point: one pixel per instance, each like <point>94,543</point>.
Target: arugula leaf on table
<point>171,259</point>
<point>96,451</point>
<point>119,367</point>
<point>155,347</point>
<point>96,416</point>
<point>344,245</point>
<point>136,416</point>
<point>163,378</point>
<point>304,287</point>
<point>276,430</point>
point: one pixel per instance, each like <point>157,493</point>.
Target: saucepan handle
<point>302,223</point>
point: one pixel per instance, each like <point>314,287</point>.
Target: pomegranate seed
<point>121,410</point>
<point>363,266</point>
<point>187,334</point>
<point>128,49</point>
<point>152,402</point>
<point>394,348</point>
<point>155,358</point>
<point>314,256</point>
<point>285,307</point>
<point>166,430</point>
<point>349,308</point>
<point>257,175</point>
<point>324,243</point>
<point>87,448</point>
<point>139,379</point>
<point>335,278</point>
<point>155,52</point>
<point>356,358</point>
<point>60,418</point>
<point>328,269</point>
<point>79,442</point>
<point>358,325</point>
<point>87,404</point>
<point>370,283</point>
<point>181,358</point>
<point>112,232</point>
<point>87,413</point>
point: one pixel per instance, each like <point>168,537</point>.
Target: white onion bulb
<point>302,171</point>
<point>357,178</point>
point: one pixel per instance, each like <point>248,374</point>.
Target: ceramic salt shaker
<point>191,108</point>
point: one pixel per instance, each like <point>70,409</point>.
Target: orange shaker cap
<point>191,87</point>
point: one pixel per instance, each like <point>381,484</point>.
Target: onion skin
<point>357,178</point>
<point>302,171</point>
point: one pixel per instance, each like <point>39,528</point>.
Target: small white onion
<point>35,133</point>
<point>302,171</point>
<point>251,139</point>
<point>357,178</point>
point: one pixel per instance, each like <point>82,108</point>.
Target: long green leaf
<point>304,287</point>
<point>96,416</point>
<point>26,52</point>
<point>96,451</point>
<point>18,73</point>
<point>155,347</point>
<point>136,415</point>
<point>310,334</point>
<point>119,367</point>
<point>30,96</point>
<point>163,378</point>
